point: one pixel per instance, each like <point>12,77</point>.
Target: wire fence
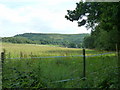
<point>61,56</point>
<point>70,79</point>
<point>83,78</point>
<point>78,78</point>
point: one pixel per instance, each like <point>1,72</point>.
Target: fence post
<point>84,64</point>
<point>21,55</point>
<point>31,55</point>
<point>118,62</point>
<point>9,56</point>
<point>119,67</point>
<point>2,57</point>
<point>117,51</point>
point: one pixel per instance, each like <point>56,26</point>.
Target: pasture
<point>60,72</point>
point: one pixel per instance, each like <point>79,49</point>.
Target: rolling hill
<point>67,40</point>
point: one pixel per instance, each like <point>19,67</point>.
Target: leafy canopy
<point>102,18</point>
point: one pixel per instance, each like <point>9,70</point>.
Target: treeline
<point>65,40</point>
<point>103,19</point>
<point>18,40</point>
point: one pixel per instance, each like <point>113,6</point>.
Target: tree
<point>88,42</point>
<point>103,18</point>
<point>72,45</point>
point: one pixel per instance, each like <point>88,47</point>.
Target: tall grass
<point>44,72</point>
<point>15,50</point>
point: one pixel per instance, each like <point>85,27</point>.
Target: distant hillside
<point>67,40</point>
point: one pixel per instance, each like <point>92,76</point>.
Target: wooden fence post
<point>84,64</point>
<point>9,56</point>
<point>118,68</point>
<point>117,51</point>
<point>118,62</point>
<point>31,54</point>
<point>2,57</point>
<point>21,55</point>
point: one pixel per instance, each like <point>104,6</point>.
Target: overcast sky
<point>37,16</point>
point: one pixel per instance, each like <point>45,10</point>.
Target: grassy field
<point>15,50</point>
<point>101,71</point>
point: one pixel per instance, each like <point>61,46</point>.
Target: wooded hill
<point>67,40</point>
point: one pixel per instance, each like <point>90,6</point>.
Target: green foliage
<point>42,73</point>
<point>55,39</point>
<point>18,40</point>
<point>88,42</point>
<point>38,73</point>
<point>103,18</point>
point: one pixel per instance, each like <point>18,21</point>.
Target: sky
<point>37,16</point>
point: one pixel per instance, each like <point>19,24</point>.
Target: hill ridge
<point>67,40</point>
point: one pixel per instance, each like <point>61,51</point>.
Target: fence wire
<point>65,80</point>
<point>61,56</point>
<point>78,78</point>
<point>82,78</point>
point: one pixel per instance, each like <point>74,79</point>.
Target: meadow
<point>62,72</point>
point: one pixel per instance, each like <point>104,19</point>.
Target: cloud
<point>11,15</point>
<point>36,16</point>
